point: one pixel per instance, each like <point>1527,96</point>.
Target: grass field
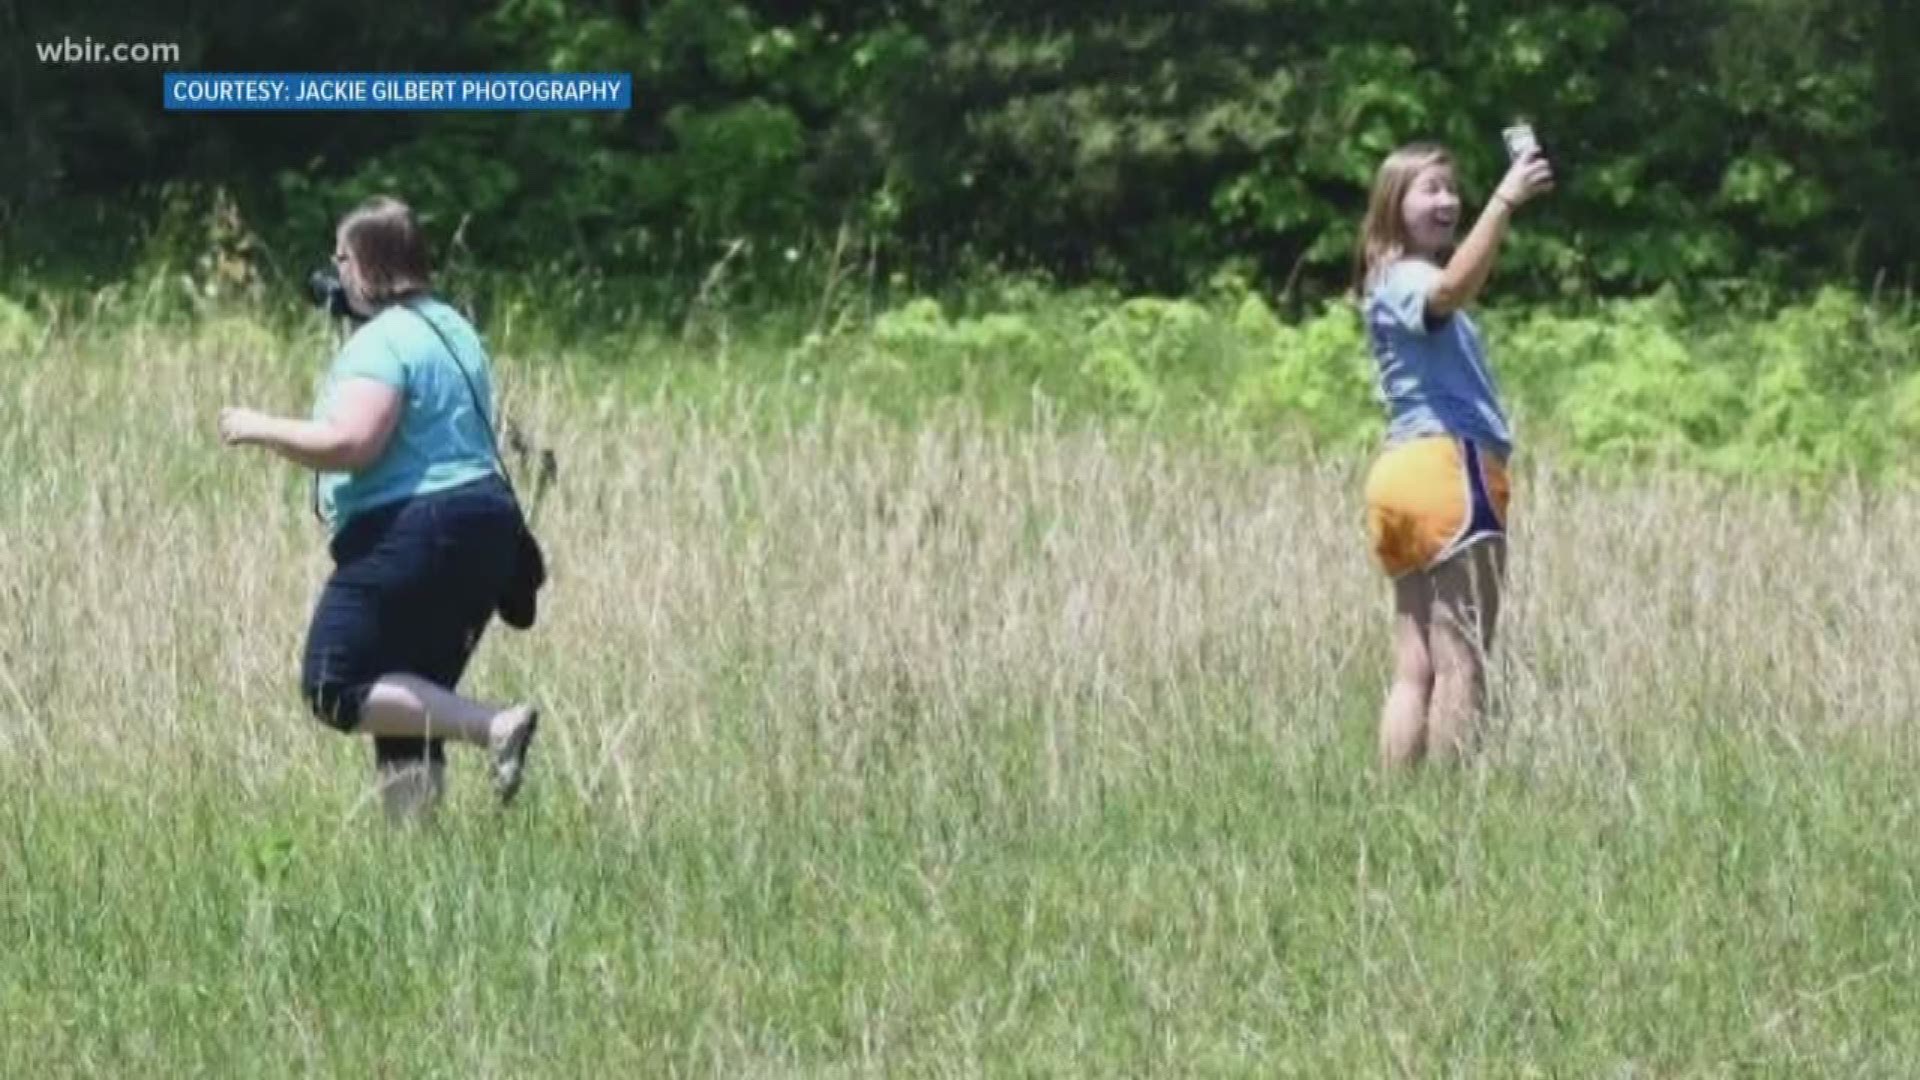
<point>951,749</point>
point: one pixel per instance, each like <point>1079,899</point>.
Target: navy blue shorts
<point>413,586</point>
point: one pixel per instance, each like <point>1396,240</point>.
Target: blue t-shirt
<point>1433,379</point>
<point>440,440</point>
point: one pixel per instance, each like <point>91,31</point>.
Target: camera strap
<point>486,422</point>
<point>479,406</point>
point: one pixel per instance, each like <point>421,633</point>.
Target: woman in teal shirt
<point>424,527</point>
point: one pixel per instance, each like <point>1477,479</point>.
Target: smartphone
<point>1520,141</point>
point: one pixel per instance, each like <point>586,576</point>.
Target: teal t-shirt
<point>441,440</point>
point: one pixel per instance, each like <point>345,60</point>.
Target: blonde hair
<point>1383,233</point>
<point>388,249</point>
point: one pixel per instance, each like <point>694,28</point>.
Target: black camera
<point>326,292</point>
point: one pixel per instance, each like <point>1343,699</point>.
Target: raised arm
<point>1466,273</point>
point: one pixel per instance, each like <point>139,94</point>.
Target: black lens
<point>325,291</point>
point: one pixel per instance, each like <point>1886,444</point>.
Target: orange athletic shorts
<point>1429,498</point>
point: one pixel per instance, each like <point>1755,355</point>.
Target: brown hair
<point>1383,234</point>
<point>388,250</point>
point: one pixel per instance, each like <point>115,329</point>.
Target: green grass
<point>958,747</point>
<point>1231,917</point>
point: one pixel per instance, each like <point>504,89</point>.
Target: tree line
<point>1152,145</point>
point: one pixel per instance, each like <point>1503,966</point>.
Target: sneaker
<point>510,747</point>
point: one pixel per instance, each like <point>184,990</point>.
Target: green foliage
<point>1134,349</point>
<point>1314,378</point>
<point>1812,389</point>
<point>1646,398</point>
<point>1826,386</point>
<point>1123,142</point>
<point>996,347</point>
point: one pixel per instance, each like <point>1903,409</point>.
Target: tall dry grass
<point>853,590</point>
<point>795,636</point>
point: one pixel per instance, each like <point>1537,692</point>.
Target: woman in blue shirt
<point>424,527</point>
<point>1437,494</point>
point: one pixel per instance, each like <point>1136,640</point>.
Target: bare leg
<point>408,706</point>
<point>1466,610</point>
<point>1403,722</point>
<point>411,707</point>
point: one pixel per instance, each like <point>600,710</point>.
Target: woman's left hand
<point>241,427</point>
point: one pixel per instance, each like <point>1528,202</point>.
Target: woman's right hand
<point>1528,176</point>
